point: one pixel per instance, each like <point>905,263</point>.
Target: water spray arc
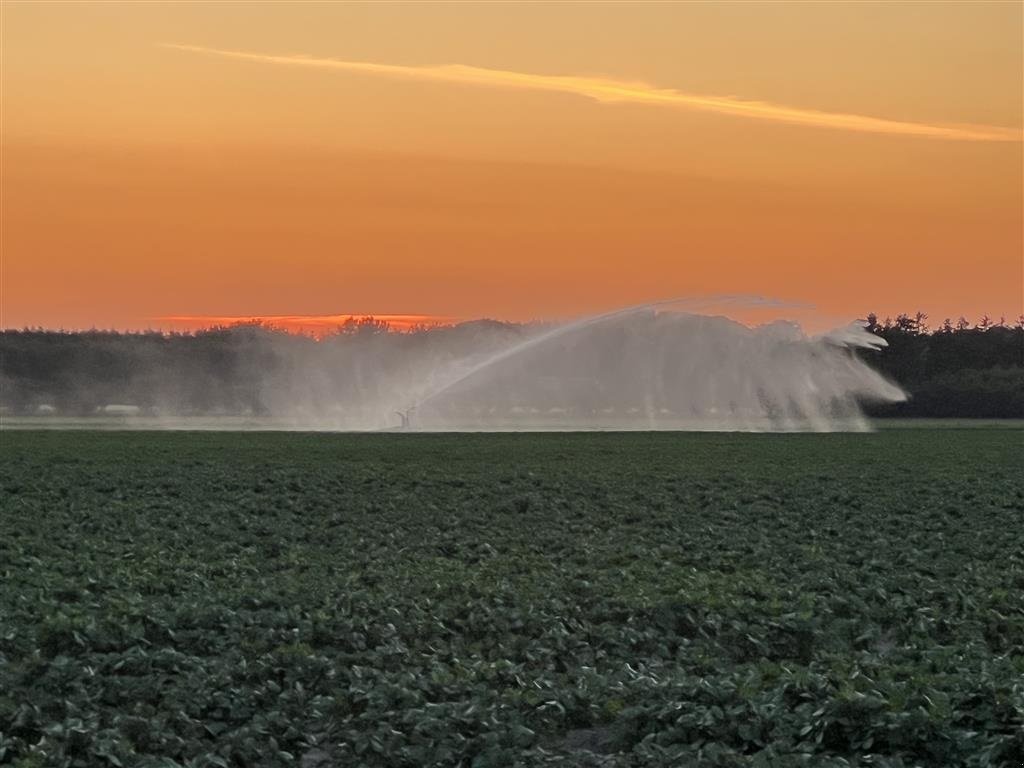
<point>636,368</point>
<point>562,330</point>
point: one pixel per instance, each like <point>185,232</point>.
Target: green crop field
<point>264,599</point>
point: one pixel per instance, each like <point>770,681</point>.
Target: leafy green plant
<point>177,599</point>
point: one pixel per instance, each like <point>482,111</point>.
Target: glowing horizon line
<point>308,319</point>
<point>608,90</point>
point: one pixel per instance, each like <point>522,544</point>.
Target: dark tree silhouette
<point>955,370</point>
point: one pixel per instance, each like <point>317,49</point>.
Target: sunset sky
<point>190,162</point>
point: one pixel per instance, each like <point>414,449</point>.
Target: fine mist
<point>650,367</point>
<point>638,368</point>
<point>641,369</point>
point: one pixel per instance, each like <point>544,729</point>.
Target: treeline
<point>247,369</point>
<point>958,369</point>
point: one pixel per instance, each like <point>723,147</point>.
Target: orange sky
<point>510,161</point>
<point>317,326</point>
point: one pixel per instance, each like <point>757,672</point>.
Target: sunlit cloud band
<point>610,90</point>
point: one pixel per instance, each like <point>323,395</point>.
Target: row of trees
<point>955,370</point>
<point>958,369</point>
<point>243,369</point>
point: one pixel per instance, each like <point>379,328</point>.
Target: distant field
<point>922,423</point>
<point>266,423</point>
<point>631,599</point>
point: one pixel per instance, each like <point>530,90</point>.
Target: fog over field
<point>635,368</point>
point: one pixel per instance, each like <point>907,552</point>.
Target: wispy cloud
<point>610,90</point>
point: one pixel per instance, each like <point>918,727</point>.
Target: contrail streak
<point>609,90</point>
